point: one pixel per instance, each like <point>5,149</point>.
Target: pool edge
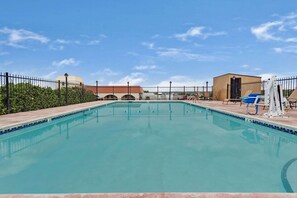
<point>32,122</point>
<point>154,195</point>
<point>248,118</point>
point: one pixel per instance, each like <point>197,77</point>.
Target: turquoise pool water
<point>146,147</point>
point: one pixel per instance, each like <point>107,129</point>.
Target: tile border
<point>280,127</point>
<point>26,124</point>
<point>156,195</point>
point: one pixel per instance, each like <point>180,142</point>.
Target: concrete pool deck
<point>14,119</point>
<point>289,120</point>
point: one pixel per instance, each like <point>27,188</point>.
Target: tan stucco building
<point>72,80</point>
<point>229,86</point>
<point>117,92</point>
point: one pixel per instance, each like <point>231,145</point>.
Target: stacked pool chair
<point>250,100</point>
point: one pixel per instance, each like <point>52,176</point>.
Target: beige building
<point>117,92</point>
<point>229,86</point>
<point>72,80</point>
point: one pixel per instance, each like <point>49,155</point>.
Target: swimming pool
<point>147,147</point>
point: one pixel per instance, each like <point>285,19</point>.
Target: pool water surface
<point>147,147</point>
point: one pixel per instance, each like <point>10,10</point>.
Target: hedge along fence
<point>37,94</point>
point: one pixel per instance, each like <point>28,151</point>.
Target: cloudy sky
<point>148,42</point>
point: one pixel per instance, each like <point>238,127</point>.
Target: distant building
<point>72,81</point>
<point>117,92</point>
<point>231,86</point>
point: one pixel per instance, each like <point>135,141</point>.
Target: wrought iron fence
<point>288,84</point>
<point>22,93</point>
<point>177,92</point>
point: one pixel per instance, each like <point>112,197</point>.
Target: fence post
<point>66,94</point>
<point>7,93</point>
<point>97,95</point>
<point>59,92</point>
<point>82,92</point>
<point>227,91</point>
<point>170,90</point>
<point>203,93</point>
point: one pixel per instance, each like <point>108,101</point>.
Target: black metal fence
<point>288,84</point>
<point>22,93</point>
<point>177,92</point>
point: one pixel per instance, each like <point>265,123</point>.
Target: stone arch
<point>110,97</point>
<point>128,97</point>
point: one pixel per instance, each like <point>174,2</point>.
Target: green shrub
<point>28,97</point>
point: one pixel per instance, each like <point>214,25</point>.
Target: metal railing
<point>22,93</point>
<point>177,92</point>
<point>288,84</point>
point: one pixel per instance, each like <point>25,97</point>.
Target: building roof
<point>115,89</point>
<point>237,75</point>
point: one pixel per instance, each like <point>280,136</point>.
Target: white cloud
<point>155,36</point>
<point>94,42</point>
<point>192,32</point>
<point>183,55</point>
<point>262,31</point>
<point>49,75</point>
<point>15,37</point>
<point>266,76</point>
<point>148,45</point>
<point>278,49</point>
<point>257,69</point>
<point>245,66</point>
<point>197,32</point>
<point>134,79</point>
<point>62,41</point>
<point>278,30</point>
<point>288,49</point>
<point>105,72</point>
<point>292,15</point>
<point>145,67</point>
<point>59,44</point>
<point>56,47</point>
<point>180,80</point>
<point>292,40</point>
<point>66,62</point>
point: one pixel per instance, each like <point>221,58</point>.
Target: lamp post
<point>207,95</point>
<point>66,94</point>
<point>170,90</point>
<point>97,95</point>
<point>128,87</point>
<point>233,88</point>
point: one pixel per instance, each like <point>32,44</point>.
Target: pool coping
<point>155,195</point>
<point>250,118</point>
<point>31,122</point>
<point>35,121</point>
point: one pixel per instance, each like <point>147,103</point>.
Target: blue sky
<point>148,42</point>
